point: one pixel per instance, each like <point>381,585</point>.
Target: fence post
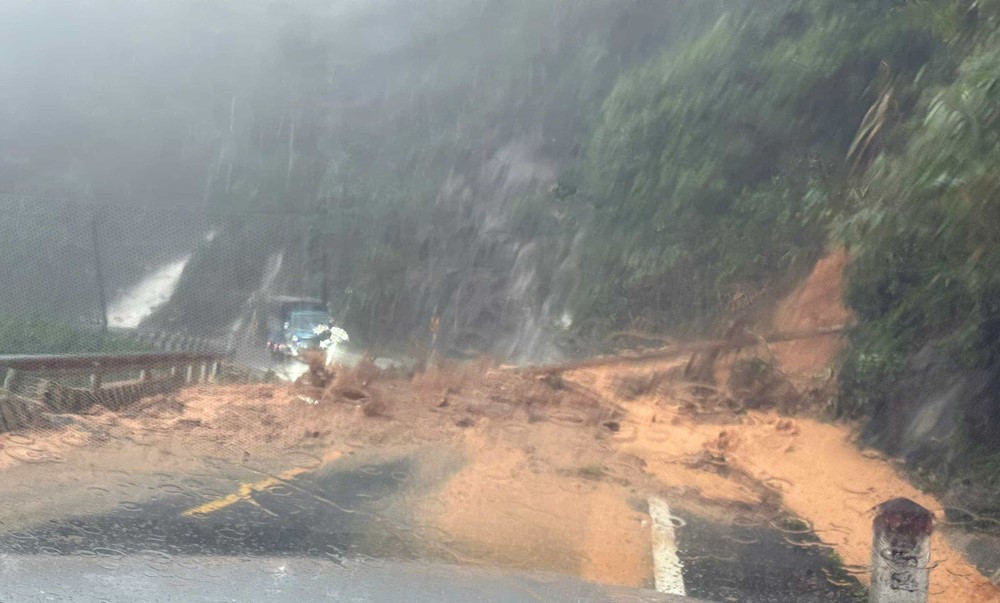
<point>10,380</point>
<point>901,552</point>
<point>5,425</point>
<point>102,302</point>
<point>189,373</point>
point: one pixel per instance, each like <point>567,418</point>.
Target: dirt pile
<point>816,303</point>
<point>547,471</point>
<point>758,384</point>
<point>743,460</point>
<point>790,364</point>
<point>539,485</point>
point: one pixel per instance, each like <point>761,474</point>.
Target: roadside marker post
<point>901,552</point>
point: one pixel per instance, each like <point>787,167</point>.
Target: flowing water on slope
<point>241,332</point>
<point>271,271</point>
<point>136,304</point>
<point>534,339</point>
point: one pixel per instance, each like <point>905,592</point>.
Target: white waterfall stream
<point>136,304</point>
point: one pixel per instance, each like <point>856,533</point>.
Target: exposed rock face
<point>936,411</point>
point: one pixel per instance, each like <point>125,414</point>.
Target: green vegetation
<point>924,233</point>
<point>722,166</point>
<point>38,336</point>
<point>719,166</point>
<point>441,161</point>
<point>922,229</point>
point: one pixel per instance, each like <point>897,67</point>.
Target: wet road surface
<point>347,512</point>
<point>215,579</point>
<point>760,563</point>
<point>327,513</point>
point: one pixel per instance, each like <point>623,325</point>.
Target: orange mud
<point>516,505</point>
<point>541,483</point>
<point>815,304</point>
<point>809,467</point>
<point>538,487</point>
<point>552,474</point>
<point>812,468</point>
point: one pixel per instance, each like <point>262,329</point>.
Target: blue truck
<point>295,324</point>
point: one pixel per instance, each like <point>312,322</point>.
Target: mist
<point>789,209</point>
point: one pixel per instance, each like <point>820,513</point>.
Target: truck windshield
<point>302,321</point>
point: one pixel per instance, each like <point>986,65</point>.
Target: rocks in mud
<point>973,506</point>
<point>333,383</point>
<point>374,407</point>
<point>787,425</point>
<point>631,387</point>
<point>160,406</point>
<point>319,374</point>
<point>264,392</point>
<point>759,384</point>
<point>52,420</point>
<point>352,393</point>
<point>366,371</point>
<point>553,380</point>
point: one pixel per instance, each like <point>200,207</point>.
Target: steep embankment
<point>816,304</point>
<point>813,469</point>
<point>436,175</point>
<point>693,442</point>
<point>497,450</point>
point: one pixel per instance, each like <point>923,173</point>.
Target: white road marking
<point>666,564</point>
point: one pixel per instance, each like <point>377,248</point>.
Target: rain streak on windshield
<point>570,300</point>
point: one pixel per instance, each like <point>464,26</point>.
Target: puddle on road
<point>761,562</point>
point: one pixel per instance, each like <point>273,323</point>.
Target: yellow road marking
<point>245,491</point>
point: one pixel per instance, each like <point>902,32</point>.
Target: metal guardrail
<point>166,341</point>
<point>29,389</point>
<point>98,365</point>
<point>99,362</point>
<point>171,342</point>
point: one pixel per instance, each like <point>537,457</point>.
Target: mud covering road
<point>476,466</point>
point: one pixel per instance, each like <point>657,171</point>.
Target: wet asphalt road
<point>760,563</point>
<point>342,513</point>
<point>328,513</point>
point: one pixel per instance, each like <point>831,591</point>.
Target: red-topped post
<point>901,551</point>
